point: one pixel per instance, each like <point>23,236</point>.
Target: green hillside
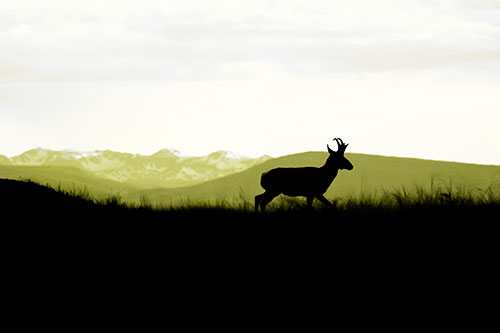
<point>66,178</point>
<point>371,176</point>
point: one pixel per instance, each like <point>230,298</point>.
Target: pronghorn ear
<point>329,150</point>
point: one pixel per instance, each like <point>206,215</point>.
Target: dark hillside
<point>418,226</point>
<point>20,200</point>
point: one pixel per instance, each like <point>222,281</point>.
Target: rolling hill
<point>371,176</point>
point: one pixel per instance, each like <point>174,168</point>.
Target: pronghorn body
<point>309,182</point>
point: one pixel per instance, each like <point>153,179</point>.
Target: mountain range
<point>165,168</point>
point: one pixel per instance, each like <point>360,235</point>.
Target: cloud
<point>163,40</point>
<point>482,4</point>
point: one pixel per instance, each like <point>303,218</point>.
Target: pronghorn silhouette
<point>309,182</point>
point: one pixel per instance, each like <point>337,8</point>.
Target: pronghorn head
<point>336,159</point>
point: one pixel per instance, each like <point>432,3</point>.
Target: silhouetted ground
<point>361,249</point>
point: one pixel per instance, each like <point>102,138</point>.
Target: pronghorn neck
<point>329,171</point>
<point>330,167</point>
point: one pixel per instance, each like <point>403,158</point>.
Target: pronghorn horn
<point>340,142</point>
<point>341,145</point>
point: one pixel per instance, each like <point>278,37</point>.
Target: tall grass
<point>440,199</point>
<point>437,201</point>
<point>446,202</point>
<point>416,197</point>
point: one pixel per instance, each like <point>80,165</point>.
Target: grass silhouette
<point>440,202</point>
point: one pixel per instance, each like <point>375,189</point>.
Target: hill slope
<point>66,178</point>
<point>371,175</point>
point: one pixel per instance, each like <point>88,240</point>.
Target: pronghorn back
<point>296,181</point>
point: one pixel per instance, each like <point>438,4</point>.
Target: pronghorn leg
<point>258,199</point>
<point>309,202</point>
<point>263,199</point>
<point>324,200</point>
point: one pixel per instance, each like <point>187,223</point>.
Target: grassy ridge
<point>28,199</point>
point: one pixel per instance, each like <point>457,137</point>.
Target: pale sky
<point>410,78</point>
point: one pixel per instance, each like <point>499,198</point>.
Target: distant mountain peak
<point>167,152</point>
<point>37,150</point>
<point>226,155</point>
<point>4,160</point>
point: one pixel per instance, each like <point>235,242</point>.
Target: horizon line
<point>238,155</point>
